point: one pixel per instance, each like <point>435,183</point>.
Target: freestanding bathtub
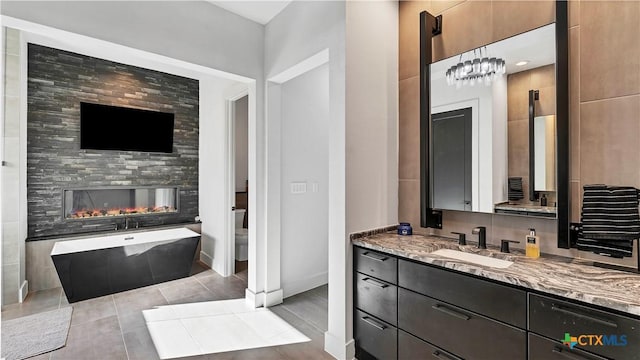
<point>97,266</point>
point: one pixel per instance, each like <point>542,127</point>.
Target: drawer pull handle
<point>373,323</point>
<point>374,257</point>
<point>569,355</point>
<point>441,355</point>
<point>584,316</point>
<point>451,312</point>
<point>375,283</point>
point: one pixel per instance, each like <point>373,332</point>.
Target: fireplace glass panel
<point>95,203</point>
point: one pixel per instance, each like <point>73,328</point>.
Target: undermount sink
<point>474,258</point>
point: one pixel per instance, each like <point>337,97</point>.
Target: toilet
<point>242,237</point>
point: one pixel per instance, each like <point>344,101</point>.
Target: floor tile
<point>312,309</point>
<point>118,331</point>
<point>99,339</point>
<point>93,309</point>
<point>139,344</point>
<point>130,304</point>
<point>36,302</point>
<point>187,291</point>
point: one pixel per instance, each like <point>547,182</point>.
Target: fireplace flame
<point>90,213</point>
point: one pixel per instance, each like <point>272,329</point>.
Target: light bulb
<point>476,65</point>
<point>467,67</point>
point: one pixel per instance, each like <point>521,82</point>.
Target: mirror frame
<point>431,218</point>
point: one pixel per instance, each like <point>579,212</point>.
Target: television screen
<point>105,127</point>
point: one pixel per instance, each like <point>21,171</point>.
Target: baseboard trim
<point>273,298</point>
<point>302,285</point>
<point>337,348</point>
<point>263,298</point>
<point>23,291</point>
<point>205,258</point>
<point>253,299</point>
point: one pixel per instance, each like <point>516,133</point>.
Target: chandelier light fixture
<point>480,69</point>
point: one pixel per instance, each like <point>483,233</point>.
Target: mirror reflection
<point>492,147</point>
<point>544,135</point>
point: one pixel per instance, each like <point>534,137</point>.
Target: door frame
<point>230,100</point>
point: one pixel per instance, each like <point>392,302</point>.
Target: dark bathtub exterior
<point>89,274</point>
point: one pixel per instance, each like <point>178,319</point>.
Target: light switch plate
<point>298,187</point>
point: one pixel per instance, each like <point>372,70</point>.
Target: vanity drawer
<point>544,349</point>
<point>493,300</point>
<point>411,348</point>
<point>459,331</point>
<point>553,318</point>
<point>376,264</point>
<point>377,298</point>
<point>376,337</point>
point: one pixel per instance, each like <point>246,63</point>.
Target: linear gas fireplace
<point>89,203</point>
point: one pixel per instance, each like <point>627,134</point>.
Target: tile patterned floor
<point>112,327</point>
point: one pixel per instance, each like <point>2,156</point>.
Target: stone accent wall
<point>57,82</point>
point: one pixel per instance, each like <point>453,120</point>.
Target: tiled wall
<point>12,246</point>
<point>604,95</point>
<point>57,82</point>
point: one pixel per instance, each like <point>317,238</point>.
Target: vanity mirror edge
<point>430,218</point>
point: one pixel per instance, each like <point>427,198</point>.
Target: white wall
<point>372,123</point>
<point>372,114</point>
<point>300,31</point>
<point>241,123</point>
<point>305,158</point>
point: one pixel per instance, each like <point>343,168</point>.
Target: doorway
<point>240,160</point>
<point>452,160</point>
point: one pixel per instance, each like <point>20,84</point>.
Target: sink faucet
<point>481,231</point>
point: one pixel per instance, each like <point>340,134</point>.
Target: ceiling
<point>259,11</point>
<point>536,46</point>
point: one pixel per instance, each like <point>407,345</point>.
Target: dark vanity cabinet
<point>376,304</point>
<point>612,336</point>
<point>409,310</point>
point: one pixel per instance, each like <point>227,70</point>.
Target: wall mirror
<point>494,128</point>
<point>481,131</point>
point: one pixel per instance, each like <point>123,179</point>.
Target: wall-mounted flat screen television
<point>106,127</point>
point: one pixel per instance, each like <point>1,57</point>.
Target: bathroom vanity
<point>410,303</point>
<point>89,267</point>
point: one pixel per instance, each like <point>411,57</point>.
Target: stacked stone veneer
<point>57,82</point>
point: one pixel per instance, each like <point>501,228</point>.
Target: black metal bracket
<point>534,95</point>
<point>429,26</point>
<point>437,29</point>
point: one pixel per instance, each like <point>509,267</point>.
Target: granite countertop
<point>525,207</point>
<point>570,278</point>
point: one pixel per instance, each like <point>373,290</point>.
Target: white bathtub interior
<point>242,237</point>
<point>121,239</point>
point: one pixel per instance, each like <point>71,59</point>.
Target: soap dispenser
<point>533,244</point>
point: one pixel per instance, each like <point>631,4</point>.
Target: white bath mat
<point>37,334</point>
<point>216,326</point>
